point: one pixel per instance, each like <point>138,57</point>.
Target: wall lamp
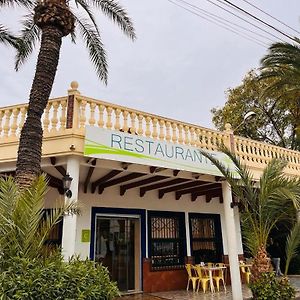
<point>67,179</point>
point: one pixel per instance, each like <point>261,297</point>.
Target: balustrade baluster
<point>148,131</point>
<point>14,125</point>
<point>154,124</point>
<point>82,119</point>
<point>92,120</point>
<point>192,134</point>
<point>161,129</point>
<point>6,127</point>
<point>63,117</point>
<point>197,138</point>
<point>133,120</point>
<point>140,129</point>
<point>46,120</point>
<point>54,120</point>
<point>108,121</point>
<point>101,119</point>
<point>117,123</point>
<point>174,132</point>
<point>168,133</point>
<point>208,141</point>
<point>23,111</point>
<point>125,121</point>
<point>186,134</point>
<point>180,135</point>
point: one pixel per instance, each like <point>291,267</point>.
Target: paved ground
<point>184,295</point>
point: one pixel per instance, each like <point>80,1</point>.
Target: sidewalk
<point>184,295</point>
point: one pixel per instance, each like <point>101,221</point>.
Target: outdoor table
<point>210,273</point>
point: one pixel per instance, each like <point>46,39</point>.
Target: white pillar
<point>70,221</point>
<point>230,228</point>
<point>187,235</point>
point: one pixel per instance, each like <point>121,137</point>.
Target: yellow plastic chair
<point>203,278</point>
<point>246,271</point>
<point>219,276</point>
<point>192,276</point>
<point>210,264</point>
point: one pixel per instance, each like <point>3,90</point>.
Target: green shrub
<point>52,279</point>
<point>268,287</point>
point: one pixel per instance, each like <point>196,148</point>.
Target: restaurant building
<point>150,202</point>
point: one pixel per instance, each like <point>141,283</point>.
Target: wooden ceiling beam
<point>175,172</point>
<point>60,169</point>
<point>214,194</point>
<point>207,192</point>
<point>118,180</point>
<point>55,183</point>
<point>156,169</point>
<point>124,188</point>
<point>194,183</point>
<point>89,175</point>
<point>203,188</point>
<point>104,178</point>
<point>145,189</point>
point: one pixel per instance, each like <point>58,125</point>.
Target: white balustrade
<point>88,111</point>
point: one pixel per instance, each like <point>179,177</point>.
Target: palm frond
<point>24,227</point>
<point>24,3</point>
<point>95,47</point>
<point>6,37</point>
<point>30,34</point>
<point>117,14</point>
<point>87,9</point>
<point>292,243</point>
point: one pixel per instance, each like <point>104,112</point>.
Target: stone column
<point>230,228</point>
<point>70,221</point>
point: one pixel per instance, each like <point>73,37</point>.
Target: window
<point>206,237</point>
<point>167,245</point>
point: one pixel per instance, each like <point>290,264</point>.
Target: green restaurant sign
<point>125,147</point>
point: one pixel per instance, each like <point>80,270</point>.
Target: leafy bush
<point>53,279</point>
<point>268,287</point>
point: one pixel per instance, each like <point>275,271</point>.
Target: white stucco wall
<point>111,198</point>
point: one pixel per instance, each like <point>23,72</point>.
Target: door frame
<point>121,213</point>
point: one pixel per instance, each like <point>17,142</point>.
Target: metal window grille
<point>206,239</point>
<point>166,242</point>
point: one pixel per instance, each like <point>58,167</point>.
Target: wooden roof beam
<point>214,194</point>
<point>124,188</point>
<point>204,188</point>
<point>104,178</point>
<point>145,189</point>
<point>60,169</point>
<point>156,169</point>
<point>190,184</point>
<point>89,175</point>
<point>207,193</point>
<point>118,180</point>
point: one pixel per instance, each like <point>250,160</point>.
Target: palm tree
<point>24,226</point>
<point>274,198</point>
<point>282,63</point>
<point>50,21</point>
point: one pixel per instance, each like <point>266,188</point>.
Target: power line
<point>258,42</point>
<point>218,18</point>
<point>245,20</point>
<point>269,15</point>
<point>259,20</point>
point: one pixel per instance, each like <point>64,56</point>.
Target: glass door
<point>116,249</point>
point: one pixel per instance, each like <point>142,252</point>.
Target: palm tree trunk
<point>30,146</point>
<point>261,264</point>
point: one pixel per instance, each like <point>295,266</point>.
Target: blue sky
<point>179,67</point>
